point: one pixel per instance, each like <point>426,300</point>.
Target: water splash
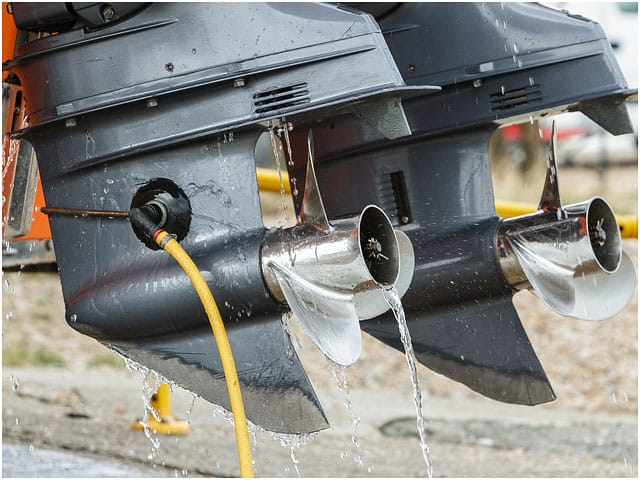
<point>393,299</point>
<point>339,373</point>
<point>187,413</point>
<point>150,384</point>
<point>15,383</point>
<point>287,128</point>
<point>293,442</point>
<point>287,319</point>
<point>253,440</point>
<point>276,153</point>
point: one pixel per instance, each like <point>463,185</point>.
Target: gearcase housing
<point>396,178</point>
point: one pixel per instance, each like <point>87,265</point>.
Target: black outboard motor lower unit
<point>384,112</point>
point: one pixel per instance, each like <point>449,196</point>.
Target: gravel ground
<point>65,391</point>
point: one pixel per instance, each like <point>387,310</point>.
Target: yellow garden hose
<point>173,248</point>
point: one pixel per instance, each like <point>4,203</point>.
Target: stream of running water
<point>393,299</point>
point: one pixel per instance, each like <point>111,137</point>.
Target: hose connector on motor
<point>160,204</point>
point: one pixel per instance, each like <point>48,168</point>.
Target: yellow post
<point>161,403</point>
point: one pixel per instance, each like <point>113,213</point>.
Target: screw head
<point>108,12</point>
<point>238,82</point>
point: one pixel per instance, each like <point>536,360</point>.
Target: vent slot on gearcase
<point>282,97</point>
<point>516,98</point>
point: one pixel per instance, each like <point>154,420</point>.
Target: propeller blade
<point>312,211</point>
<point>587,295</point>
<point>550,199</point>
<point>327,316</point>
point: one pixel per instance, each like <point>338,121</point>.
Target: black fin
<point>277,393</point>
<point>482,345</point>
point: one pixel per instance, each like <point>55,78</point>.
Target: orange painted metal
<point>9,33</point>
<point>40,224</point>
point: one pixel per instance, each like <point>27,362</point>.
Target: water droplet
<point>293,442</point>
<point>15,383</point>
<point>339,373</point>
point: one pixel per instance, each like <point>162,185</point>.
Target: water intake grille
<point>280,98</point>
<point>517,98</point>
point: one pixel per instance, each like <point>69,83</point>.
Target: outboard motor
<point>385,133</point>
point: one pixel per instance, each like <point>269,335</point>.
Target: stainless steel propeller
<point>331,274</point>
<point>569,256</point>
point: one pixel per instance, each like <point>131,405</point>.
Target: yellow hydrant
<point>167,425</point>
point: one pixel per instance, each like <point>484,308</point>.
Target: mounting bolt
<point>108,12</point>
<point>238,82</point>
<point>152,102</point>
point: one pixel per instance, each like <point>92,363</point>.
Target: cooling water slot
<point>281,97</point>
<point>392,195</point>
<point>516,98</point>
<point>400,195</point>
